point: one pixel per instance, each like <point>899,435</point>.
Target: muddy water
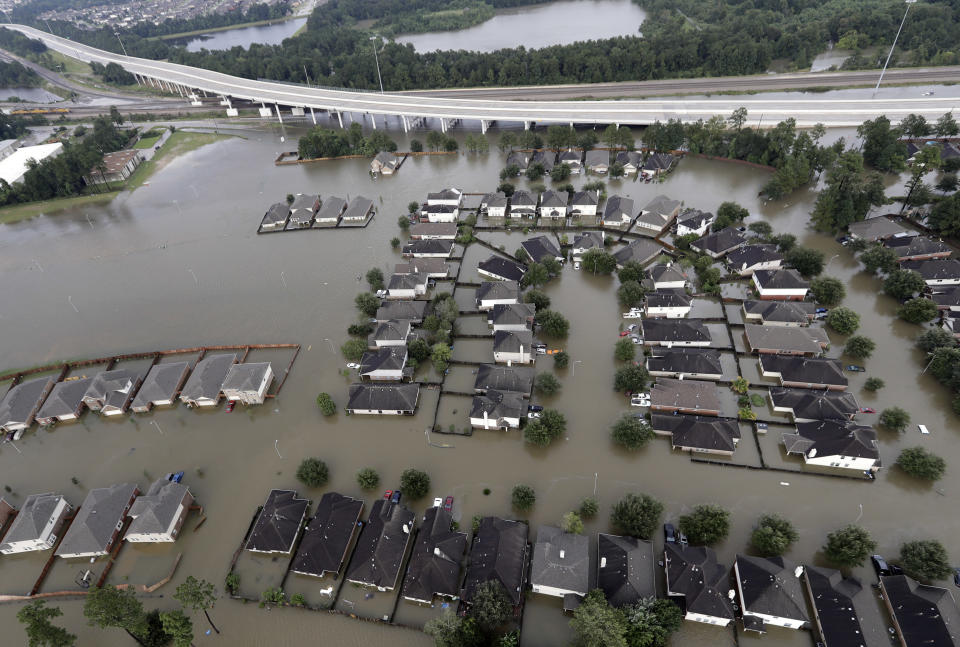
<point>129,269</point>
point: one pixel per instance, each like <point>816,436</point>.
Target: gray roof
<point>658,161</point>
<point>434,567</point>
<point>278,523</point>
<point>540,247</point>
<point>685,360</point>
<point>947,298</point>
<point>388,358</point>
<point>719,242</point>
<point>875,228</point>
<point>668,298</point>
<point>846,612</point>
<point>445,194</point>
<point>749,255</point>
<point>570,156</point>
<point>498,554</point>
<point>685,394</point>
<point>392,330</point>
<point>406,281</point>
<point>674,330</point>
<point>504,378</point>
<point>97,519</point>
<point>497,290</point>
<point>65,398</point>
<point>434,229</point>
<point>207,377</point>
<point>782,311</point>
<point>386,159</point>
<point>332,207</point>
<point>34,515</point>
<point>616,207</point>
<point>783,339</point>
<point>498,404</point>
<point>630,157</point>
<point>816,405</point>
<point>662,205</point>
<point>154,511</point>
<point>769,586</point>
<point>383,397</point>
<point>787,279</point>
<point>906,247</point>
<point>522,198</point>
<point>701,432</point>
<point>326,539</point>
<point>551,198</point>
<point>113,387</point>
<point>561,560</point>
<point>495,199</point>
<point>833,438</point>
<point>693,572</point>
<point>21,403</point>
<point>512,341</point>
<point>276,214</point>
<point>585,198</point>
<point>626,569</point>
<point>504,268</point>
<point>422,266</point>
<point>666,273</point>
<point>413,310</point>
<point>245,377</point>
<point>641,250</point>
<point>359,207</point>
<point>429,246</point>
<point>596,157</point>
<point>588,240</point>
<point>805,370</point>
<point>547,158</point>
<point>161,383</point>
<point>936,269</point>
<point>305,202</point>
<point>518,159</point>
<point>381,545</point>
<point>512,314</point>
<point>694,218</point>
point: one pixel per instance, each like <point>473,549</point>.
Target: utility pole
<point>887,62</point>
<point>377,59</point>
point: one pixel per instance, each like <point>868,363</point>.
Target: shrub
<point>553,323</point>
<point>419,350</point>
<point>624,350</point>
<point>637,515</point>
<point>874,384</point>
<point>844,320</point>
<point>414,483</point>
<point>326,404</point>
<point>921,464</point>
<point>232,582</point>
<point>571,523</point>
<point>740,385</point>
<point>298,600</point>
<point>403,221</point>
<point>773,535</point>
<point>809,262</point>
<point>544,430</point>
<point>589,508</point>
<point>894,418</point>
<point>522,497</point>
<point>630,294</point>
<point>918,310</point>
<point>901,284</point>
<point>631,433</point>
<point>599,261</point>
<point>859,347</point>
<point>367,303</point>
<point>368,479</point>
<point>561,359</point>
<point>706,524</point>
<point>394,242</point>
<point>828,291</point>
<point>879,258</point>
<point>440,355</point>
<point>538,298</point>
<point>546,384</point>
<point>631,271</point>
<point>630,378</point>
<point>273,596</point>
<point>313,472</point>
<point>849,546</point>
<point>360,329</point>
<point>925,560</point>
<point>354,349</point>
<point>935,338</point>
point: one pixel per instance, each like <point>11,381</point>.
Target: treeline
<point>113,73</point>
<point>14,41</point>
<point>324,142</point>
<point>455,15</point>
<point>62,176</point>
<point>12,126</point>
<point>14,75</point>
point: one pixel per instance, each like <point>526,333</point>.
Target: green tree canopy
<point>925,560</point>
<point>894,418</point>
<point>553,324</point>
<point>41,632</point>
<point>414,483</point>
<point>849,546</point>
<point>631,433</point>
<point>368,479</point>
<point>807,261</point>
<point>624,349</point>
<point>312,472</point>
<point>490,606</point>
<point>598,261</point>
<point>901,284</point>
<point>546,384</point>
<point>630,294</point>
<point>918,310</point>
<point>773,535</point>
<point>118,608</point>
<point>637,515</point>
<point>859,347</point>
<point>631,378</point>
<point>178,626</point>
<point>921,464</point>
<point>828,291</point>
<point>538,298</point>
<point>844,320</point>
<point>522,497</point>
<point>706,524</point>
<point>596,624</point>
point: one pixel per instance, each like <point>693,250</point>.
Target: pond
<point>246,36</point>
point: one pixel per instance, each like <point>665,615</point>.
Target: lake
<point>557,23</point>
<point>246,36</point>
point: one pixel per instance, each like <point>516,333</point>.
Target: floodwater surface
<point>177,263</point>
<point>246,36</point>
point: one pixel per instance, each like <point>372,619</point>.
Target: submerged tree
<point>199,594</point>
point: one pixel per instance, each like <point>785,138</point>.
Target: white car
<point>633,314</point>
<point>639,402</point>
<point>576,265</point>
<point>534,414</point>
<point>438,502</point>
<point>635,339</point>
<point>923,429</point>
<point>381,293</point>
<point>353,365</point>
<point>642,396</point>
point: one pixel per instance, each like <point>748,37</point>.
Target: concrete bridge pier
<point>340,118</point>
<point>484,124</point>
<point>313,116</point>
<point>526,125</point>
<point>443,125</point>
<point>406,126</point>
<point>373,120</point>
<point>279,116</point>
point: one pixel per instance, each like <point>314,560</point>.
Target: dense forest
<point>721,37</point>
<point>14,75</point>
<point>12,126</point>
<point>323,142</point>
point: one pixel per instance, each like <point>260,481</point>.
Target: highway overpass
<point>279,98</point>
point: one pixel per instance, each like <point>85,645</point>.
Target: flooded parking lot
<point>176,264</point>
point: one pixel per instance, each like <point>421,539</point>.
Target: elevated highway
<point>296,99</point>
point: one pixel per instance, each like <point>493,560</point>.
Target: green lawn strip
<point>18,212</point>
<point>147,142</point>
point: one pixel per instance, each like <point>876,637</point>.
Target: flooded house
<point>947,299</point>
<point>512,316</point>
<point>159,514</point>
<point>203,387</point>
<point>667,303</point>
<point>407,286</point>
<point>553,205</point>
<point>584,203</point>
<point>798,372</point>
<point>922,614</point>
<point>96,528</point>
<point>573,159</point>
<point>385,364</point>
<point>326,540</point>
<point>684,396</point>
<point>786,340</point>
<point>546,158</point>
<point>770,593</point>
<point>37,525</point>
<point>617,211</point>
<point>806,405</point>
<point>358,212</point>
<point>302,211</point>
<point>694,221</point>
<point>20,405</point>
<point>513,347</point>
<point>781,285</point>
<point>111,392</point>
<point>835,443</point>
<point>792,314</point>
<point>944,271</point>
<point>451,197</point>
<point>597,161</point>
<point>561,563</point>
<point>275,218</point>
<point>161,386</point>
<point>582,243</point>
<point>631,161</point>
<point>748,259</point>
<point>519,159</point>
<point>394,332</point>
<point>247,383</point>
<point>657,164</point>
<point>518,379</point>
<point>494,204</point>
<point>626,570</point>
<point>412,311</point>
<point>383,399</point>
<point>641,250</point>
<point>719,243</point>
<point>667,276</point>
<point>432,268</point>
<point>672,333</point>
<point>874,229</point>
<point>433,230</point>
<point>381,546</point>
<point>439,214</point>
<point>278,524</point>
<point>844,609</point>
<point>430,248</point>
<point>540,248</point>
<point>330,212</point>
<point>701,434</point>
<point>498,553</point>
<point>494,293</point>
<point>918,248</point>
<point>498,410</point>
<point>657,216</point>
<point>117,166</point>
<point>65,402</point>
<point>699,582</point>
<point>434,568</point>
<point>501,269</point>
<point>523,205</point>
<point>695,363</point>
<point>384,163</point>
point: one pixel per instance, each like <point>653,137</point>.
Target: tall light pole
<point>120,41</point>
<point>377,59</point>
<point>887,62</point>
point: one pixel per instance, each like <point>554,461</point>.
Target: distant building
<point>38,525</point>
<point>327,538</point>
<point>278,524</point>
<point>248,383</point>
<point>381,546</point>
<point>116,167</point>
<point>15,165</point>
<point>203,387</point>
<point>98,522</point>
<point>384,162</point>
<point>434,568</point>
<point>159,514</point>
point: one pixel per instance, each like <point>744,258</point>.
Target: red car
<point>388,494</point>
<point>230,405</point>
<point>448,504</point>
<point>625,333</point>
<point>867,410</point>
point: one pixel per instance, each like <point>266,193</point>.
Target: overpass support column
<point>373,120</point>
<point>279,116</point>
<point>180,90</point>
<point>484,124</point>
<point>406,125</point>
<point>526,125</point>
<point>340,118</point>
<point>313,116</point>
<point>443,124</point>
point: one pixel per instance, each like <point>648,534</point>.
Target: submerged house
<point>498,553</point>
<point>381,546</point>
<point>804,372</point>
<point>38,525</point>
<point>513,347</point>
<point>684,396</point>
<point>618,211</point>
<point>641,250</point>
<point>494,204</point>
<point>657,164</point>
<point>328,535</point>
<point>111,392</point>
<point>501,269</point>
<point>160,386</point>
<point>779,313</point>
<point>923,615</point>
<point>522,205</point>
<point>694,221</point>
<point>497,410</point>
<point>657,215</point>
<point>20,405</point>
<point>702,434</point>
<point>99,521</point>
<point>748,259</point>
<point>805,405</point>
<point>719,243</point>
<point>584,203</point>
<point>781,284</point>
<point>770,593</point>
<point>786,340</point>
<point>330,212</point>
<point>584,242</point>
<point>696,363</point>
<point>65,401</point>
<point>561,563</point>
<point>671,333</point>
<point>597,161</point>
<point>493,293</point>
<point>512,316</point>
<point>302,211</point>
<point>278,523</point>
<point>434,568</point>
<point>504,378</point>
<point>159,514</point>
<point>383,399</point>
<point>412,311</point>
<point>385,163</point>
<point>835,443</point>
<point>844,610</point>
<point>358,212</point>
<point>276,217</point>
<point>394,332</point>
<point>384,364</point>
<point>694,575</point>
<point>553,204</point>
<point>248,383</point>
<point>203,387</point>
<point>540,248</point>
<point>626,572</point>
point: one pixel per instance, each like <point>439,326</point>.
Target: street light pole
<point>377,59</point>
<point>887,62</point>
<point>120,41</point>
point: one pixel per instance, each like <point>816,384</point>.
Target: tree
<point>946,126</point>
<point>507,141</point>
<point>925,560</point>
<point>650,621</point>
<point>918,310</point>
<point>849,546</point>
<point>571,523</point>
<point>948,183</point>
<point>915,126</point>
<point>367,303</point>
<point>596,624</point>
<point>882,148</point>
<point>368,479</point>
<point>849,193</point>
<point>354,349</point>
<point>546,384</point>
<point>440,355</point>
<point>490,606</point>
<point>740,385</point>
<point>844,320</point>
<point>624,350</point>
<point>827,290</point>
<point>631,433</point>
<point>312,472</point>
<point>894,418</point>
<point>706,524</point>
<point>394,243</point>
<point>809,262</point>
<point>728,215</point>
<point>589,508</point>
<point>414,483</point>
<point>879,258</point>
<point>521,255</point>
<point>631,294</point>
<point>451,630</point>
<point>416,146</point>
<point>535,171</point>
<point>545,429</point>
<point>560,172</point>
<point>115,116</point>
<point>599,261</point>
<point>538,298</point>
<point>631,378</point>
<point>536,275</point>
<point>859,347</point>
<point>631,271</point>
<point>921,464</point>
<point>944,217</point>
<point>41,632</point>
<point>637,515</point>
<point>561,359</point>
<point>874,384</point>
<point>683,242</point>
<point>901,284</point>
<point>935,338</point>
<point>553,324</point>
<point>112,607</point>
<point>773,535</point>
<point>178,627</point>
<point>419,350</point>
<point>522,497</point>
<point>761,228</point>
<point>375,279</point>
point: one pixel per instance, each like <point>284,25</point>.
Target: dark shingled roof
<point>434,567</point>
<point>276,215</point>
<point>674,330</point>
<point>504,378</point>
<point>616,207</point>
<point>800,312</point>
<point>555,199</point>
<point>161,384</point>
<point>21,403</point>
<point>816,405</point>
<point>497,291</point>
<point>626,569</point>
<point>65,398</point>
<point>685,360</point>
<point>383,397</point>
<point>926,615</point>
<point>668,298</point>
<point>502,268</point>
<point>947,298</point>
<point>749,255</point>
<point>512,341</point>
<point>720,242</point>
<point>694,218</point>
<point>693,572</point>
<point>428,246</point>
<point>207,377</point>
<point>596,157</point>
<point>381,545</point>
<point>787,279</point>
<point>658,162</point>
<point>95,523</point>
<point>640,250</point>
<point>833,438</point>
<point>585,198</point>
<point>278,522</point>
<point>331,208</point>
<point>540,247</point>
<point>505,314</point>
<point>496,199</point>
<point>905,247</point>
<point>666,273</point>
<point>701,432</point>
<point>326,538</point>
<point>588,240</point>
<point>804,370</point>
<point>522,198</point>
<point>561,560</point>
<point>498,553</point>
<point>386,358</point>
<point>769,586</point>
<point>547,158</point>
<point>498,404</point>
<point>936,269</point>
<point>412,310</point>
<point>359,207</point>
<point>845,610</point>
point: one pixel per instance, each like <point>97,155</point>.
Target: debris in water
<point>784,483</point>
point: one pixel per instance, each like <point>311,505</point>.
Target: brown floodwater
<point>177,263</point>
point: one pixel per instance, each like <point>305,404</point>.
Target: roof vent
<point>798,571</point>
<point>561,553</point>
<point>603,562</point>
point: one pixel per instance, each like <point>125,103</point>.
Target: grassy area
<point>62,63</point>
<point>147,142</point>
<point>20,212</point>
